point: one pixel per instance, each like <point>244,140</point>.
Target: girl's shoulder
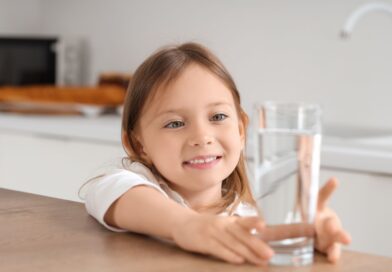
<point>134,171</point>
<point>116,179</point>
<point>140,170</point>
<point>101,191</point>
<point>119,180</point>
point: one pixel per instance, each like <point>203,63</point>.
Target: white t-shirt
<point>102,192</point>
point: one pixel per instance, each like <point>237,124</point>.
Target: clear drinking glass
<point>287,144</point>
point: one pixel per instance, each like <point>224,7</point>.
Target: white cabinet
<point>52,166</point>
<point>364,203</point>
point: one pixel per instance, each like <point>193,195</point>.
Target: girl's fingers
<point>344,237</point>
<point>327,233</point>
<point>335,233</point>
<point>250,223</point>
<point>259,247</point>
<point>333,252</point>
<point>280,232</point>
<point>330,238</point>
<point>237,246</point>
<point>220,251</point>
<point>326,192</point>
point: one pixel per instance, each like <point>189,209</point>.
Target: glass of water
<point>287,144</point>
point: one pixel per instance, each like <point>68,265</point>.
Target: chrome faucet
<point>360,12</point>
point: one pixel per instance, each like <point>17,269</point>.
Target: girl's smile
<point>202,162</point>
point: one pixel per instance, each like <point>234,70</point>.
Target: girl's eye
<point>219,117</point>
<point>175,124</point>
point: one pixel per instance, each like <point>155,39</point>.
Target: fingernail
<point>269,253</point>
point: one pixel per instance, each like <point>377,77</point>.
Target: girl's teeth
<point>202,161</point>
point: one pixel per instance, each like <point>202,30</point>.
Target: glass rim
<point>276,104</point>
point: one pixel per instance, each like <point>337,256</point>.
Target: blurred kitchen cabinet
<point>363,201</point>
<point>52,166</point>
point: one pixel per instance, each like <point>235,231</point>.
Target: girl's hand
<point>329,232</point>
<point>227,238</point>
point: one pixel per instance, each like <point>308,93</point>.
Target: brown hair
<point>160,69</point>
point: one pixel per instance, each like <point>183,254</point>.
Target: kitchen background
<point>282,49</point>
<point>275,50</point>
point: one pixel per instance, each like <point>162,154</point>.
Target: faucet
<point>361,11</point>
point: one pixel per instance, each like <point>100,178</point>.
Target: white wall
<point>282,49</point>
<point>21,17</point>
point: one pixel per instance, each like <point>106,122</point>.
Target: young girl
<point>185,179</point>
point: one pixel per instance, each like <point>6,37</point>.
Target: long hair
<point>160,69</point>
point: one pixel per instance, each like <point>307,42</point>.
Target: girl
<point>185,179</point>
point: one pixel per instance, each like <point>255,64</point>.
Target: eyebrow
<point>214,104</point>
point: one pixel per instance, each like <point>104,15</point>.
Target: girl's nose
<point>200,140</point>
<point>200,134</point>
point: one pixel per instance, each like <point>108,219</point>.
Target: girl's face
<point>191,133</point>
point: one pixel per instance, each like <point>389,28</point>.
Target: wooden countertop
<point>39,233</point>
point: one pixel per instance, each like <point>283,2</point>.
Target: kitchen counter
<point>105,128</point>
<point>363,152</point>
<point>370,155</point>
<point>357,149</point>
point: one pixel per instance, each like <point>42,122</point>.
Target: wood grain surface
<point>39,233</point>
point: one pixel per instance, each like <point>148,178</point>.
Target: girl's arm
<point>143,209</point>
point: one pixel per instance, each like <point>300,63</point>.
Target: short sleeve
<point>104,190</point>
